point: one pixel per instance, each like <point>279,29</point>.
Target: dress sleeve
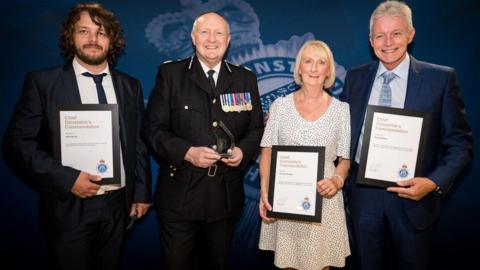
<point>343,138</point>
<point>270,135</point>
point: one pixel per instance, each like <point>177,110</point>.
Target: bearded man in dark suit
<point>84,221</point>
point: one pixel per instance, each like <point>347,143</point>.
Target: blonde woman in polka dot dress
<point>309,116</point>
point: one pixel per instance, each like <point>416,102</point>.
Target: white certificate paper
<point>393,150</point>
<point>295,183</point>
<point>392,145</point>
<point>86,141</point>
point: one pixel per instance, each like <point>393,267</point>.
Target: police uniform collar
<point>206,68</point>
<point>190,63</point>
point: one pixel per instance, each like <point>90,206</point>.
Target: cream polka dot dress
<point>308,245</point>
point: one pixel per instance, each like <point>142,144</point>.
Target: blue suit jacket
<point>28,142</point>
<point>433,89</point>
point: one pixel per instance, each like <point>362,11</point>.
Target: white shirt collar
<point>206,68</point>
<point>401,70</point>
<point>79,69</point>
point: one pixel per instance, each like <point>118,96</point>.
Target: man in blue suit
<point>405,213</point>
<point>84,221</point>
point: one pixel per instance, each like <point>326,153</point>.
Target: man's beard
<point>91,60</point>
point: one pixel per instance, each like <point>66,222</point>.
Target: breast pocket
<point>186,114</point>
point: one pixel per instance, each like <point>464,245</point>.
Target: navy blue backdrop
<point>266,36</point>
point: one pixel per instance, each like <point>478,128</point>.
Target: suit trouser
<point>201,228</point>
<point>180,239</point>
<point>377,215</point>
<point>97,242</point>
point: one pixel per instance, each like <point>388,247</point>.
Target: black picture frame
<point>113,108</point>
<point>371,110</point>
<point>320,150</point>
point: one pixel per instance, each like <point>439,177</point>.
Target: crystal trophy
<point>225,141</point>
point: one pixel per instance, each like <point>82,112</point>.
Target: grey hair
<point>393,8</point>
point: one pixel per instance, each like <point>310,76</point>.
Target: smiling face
<point>390,38</point>
<point>210,36</point>
<point>91,41</point>
<point>314,67</point>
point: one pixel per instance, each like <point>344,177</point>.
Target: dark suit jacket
<point>28,142</point>
<point>433,89</point>
<point>180,114</point>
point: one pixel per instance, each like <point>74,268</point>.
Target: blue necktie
<point>385,98</point>
<point>102,99</point>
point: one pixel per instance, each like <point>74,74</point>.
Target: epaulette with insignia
<point>247,68</point>
<point>228,64</point>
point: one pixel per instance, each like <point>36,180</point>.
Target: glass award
<point>225,141</point>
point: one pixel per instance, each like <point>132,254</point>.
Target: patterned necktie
<point>211,80</point>
<point>102,99</point>
<point>385,98</point>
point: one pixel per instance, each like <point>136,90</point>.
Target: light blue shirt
<point>399,92</point>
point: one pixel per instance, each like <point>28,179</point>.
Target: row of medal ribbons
<point>236,102</point>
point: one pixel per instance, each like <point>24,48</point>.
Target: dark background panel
<point>447,33</point>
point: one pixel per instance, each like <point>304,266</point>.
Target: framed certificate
<point>87,139</point>
<point>393,146</point>
<point>294,172</point>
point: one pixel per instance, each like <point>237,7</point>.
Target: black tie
<point>211,80</point>
<point>102,99</point>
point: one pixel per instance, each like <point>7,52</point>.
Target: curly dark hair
<point>101,17</point>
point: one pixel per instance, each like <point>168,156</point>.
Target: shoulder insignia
<point>228,64</point>
<point>247,68</point>
<point>191,62</point>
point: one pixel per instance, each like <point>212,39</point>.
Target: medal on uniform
<point>231,105</point>
<point>248,101</point>
<point>234,102</point>
<point>223,100</point>
<point>244,104</point>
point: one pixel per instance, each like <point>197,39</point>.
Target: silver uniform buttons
<point>215,124</point>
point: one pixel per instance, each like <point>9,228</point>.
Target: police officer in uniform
<point>195,103</point>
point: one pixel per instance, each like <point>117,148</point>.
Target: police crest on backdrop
<point>272,63</point>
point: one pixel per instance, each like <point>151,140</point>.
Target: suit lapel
<point>118,86</point>
<point>70,93</point>
<point>359,108</point>
<point>367,88</point>
<point>413,85</point>
<point>198,77</point>
<point>224,80</point>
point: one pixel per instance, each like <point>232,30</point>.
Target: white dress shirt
<point>216,68</point>
<point>88,95</point>
<point>399,92</point>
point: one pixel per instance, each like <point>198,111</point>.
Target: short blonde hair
<point>322,47</point>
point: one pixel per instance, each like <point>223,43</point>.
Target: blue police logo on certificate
<point>102,166</point>
<point>306,204</point>
<point>403,172</point>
